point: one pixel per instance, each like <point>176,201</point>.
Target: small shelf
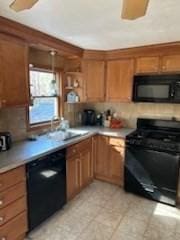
<point>73,73</point>
<point>72,88</point>
<point>69,88</point>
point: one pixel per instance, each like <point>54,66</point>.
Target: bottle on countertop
<point>108,117</point>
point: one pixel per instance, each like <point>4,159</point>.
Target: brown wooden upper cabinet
<point>157,64</point>
<point>94,76</point>
<point>171,63</point>
<point>119,80</point>
<point>147,65</point>
<point>13,73</point>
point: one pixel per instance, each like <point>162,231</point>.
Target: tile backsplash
<point>129,112</point>
<point>14,119</point>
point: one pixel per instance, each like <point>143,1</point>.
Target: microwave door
<point>152,92</point>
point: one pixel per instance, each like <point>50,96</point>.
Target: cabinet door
<point>94,81</point>
<point>119,80</point>
<point>1,80</point>
<point>147,65</point>
<point>116,164</point>
<point>94,153</point>
<point>171,63</point>
<point>86,166</point>
<point>73,180</point>
<point>102,160</point>
<point>14,67</point>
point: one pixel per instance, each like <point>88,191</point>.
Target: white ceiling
<point>96,24</point>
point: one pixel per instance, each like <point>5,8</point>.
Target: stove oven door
<point>152,174</point>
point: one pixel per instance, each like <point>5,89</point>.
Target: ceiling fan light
<point>20,5</point>
<point>133,9</point>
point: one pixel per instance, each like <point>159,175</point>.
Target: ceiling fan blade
<point>133,9</point>
<point>20,5</point>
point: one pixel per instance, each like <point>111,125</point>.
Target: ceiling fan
<point>20,5</point>
<point>131,10</point>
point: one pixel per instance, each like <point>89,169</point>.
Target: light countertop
<point>27,151</point>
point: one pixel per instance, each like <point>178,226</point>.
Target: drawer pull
<point>1,220</point>
<point>1,184</point>
<point>3,238</point>
<point>1,202</point>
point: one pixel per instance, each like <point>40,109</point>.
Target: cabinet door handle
<point>3,238</point>
<point>2,219</point>
<point>1,202</point>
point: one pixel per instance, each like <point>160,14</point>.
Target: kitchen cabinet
<point>13,206</point>
<point>147,65</point>
<point>171,63</point>
<point>116,164</point>
<point>14,73</point>
<point>109,164</point>
<point>102,160</point>
<point>120,80</point>
<point>86,167</point>
<point>94,80</point>
<point>73,81</point>
<point>79,167</point>
<point>73,182</point>
<point>166,63</point>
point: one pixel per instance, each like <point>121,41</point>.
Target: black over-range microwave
<point>157,88</point>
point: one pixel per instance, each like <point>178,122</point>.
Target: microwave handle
<point>172,93</point>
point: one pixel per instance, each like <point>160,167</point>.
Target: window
<point>44,97</point>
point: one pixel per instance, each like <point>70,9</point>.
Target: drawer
<point>12,210</point>
<point>72,150</point>
<point>12,177</point>
<point>12,194</point>
<point>117,142</point>
<point>15,228</point>
<point>84,144</point>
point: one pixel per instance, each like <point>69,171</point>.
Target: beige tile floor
<point>105,212</point>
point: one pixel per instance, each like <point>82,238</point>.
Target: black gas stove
<point>162,140</point>
<point>152,160</point>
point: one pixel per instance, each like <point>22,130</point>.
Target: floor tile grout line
<point>119,224</point>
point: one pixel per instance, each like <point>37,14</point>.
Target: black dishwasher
<point>46,184</point>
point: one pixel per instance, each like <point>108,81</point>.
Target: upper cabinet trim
<point>36,37</point>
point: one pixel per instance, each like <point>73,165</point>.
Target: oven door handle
<point>151,149</point>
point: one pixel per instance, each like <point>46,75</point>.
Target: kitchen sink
<point>66,135</point>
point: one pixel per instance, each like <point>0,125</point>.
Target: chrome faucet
<point>53,120</point>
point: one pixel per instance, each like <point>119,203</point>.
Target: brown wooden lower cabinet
<point>79,167</point>
<point>85,167</point>
<point>13,205</point>
<point>109,164</point>
<point>72,172</point>
<point>14,228</point>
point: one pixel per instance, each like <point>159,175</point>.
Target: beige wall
<point>131,111</point>
<point>14,121</point>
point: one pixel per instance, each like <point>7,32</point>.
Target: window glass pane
<point>42,83</point>
<point>43,109</point>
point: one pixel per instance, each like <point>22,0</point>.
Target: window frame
<point>58,73</point>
